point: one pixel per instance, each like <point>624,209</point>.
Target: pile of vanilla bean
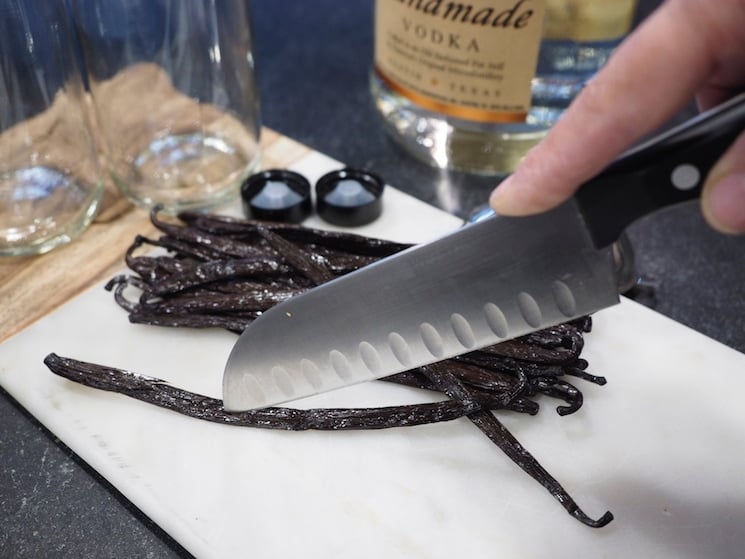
<point>223,272</point>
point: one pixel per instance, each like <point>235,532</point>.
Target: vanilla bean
<point>579,372</point>
<point>347,242</point>
<point>314,269</point>
<point>225,246</point>
<point>508,444</point>
<point>235,324</point>
<point>216,270</point>
<point>564,391</point>
<point>206,302</point>
<point>499,435</point>
<point>158,392</point>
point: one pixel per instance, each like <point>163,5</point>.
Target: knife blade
<point>488,282</point>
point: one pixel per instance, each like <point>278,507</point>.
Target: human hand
<point>686,48</point>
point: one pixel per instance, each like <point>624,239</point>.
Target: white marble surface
<point>661,445</point>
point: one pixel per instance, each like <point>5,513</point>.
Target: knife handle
<point>668,169</point>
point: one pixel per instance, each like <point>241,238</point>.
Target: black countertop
<point>313,62</point>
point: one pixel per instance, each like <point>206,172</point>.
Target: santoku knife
<point>497,279</point>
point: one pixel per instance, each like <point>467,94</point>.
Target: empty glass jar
<point>176,98</point>
<point>50,185</point>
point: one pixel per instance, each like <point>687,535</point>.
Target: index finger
<point>649,78</point>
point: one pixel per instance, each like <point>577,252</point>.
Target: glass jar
<point>175,92</point>
<point>50,186</point>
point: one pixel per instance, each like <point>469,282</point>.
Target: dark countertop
<point>313,61</point>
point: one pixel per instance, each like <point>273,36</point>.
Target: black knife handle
<point>668,169</point>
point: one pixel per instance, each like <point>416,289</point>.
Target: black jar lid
<point>349,197</point>
<point>276,195</point>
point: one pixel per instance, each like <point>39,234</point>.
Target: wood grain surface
<point>31,287</point>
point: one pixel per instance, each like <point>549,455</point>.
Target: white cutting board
<point>662,445</point>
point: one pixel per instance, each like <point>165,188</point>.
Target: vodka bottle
<point>473,85</point>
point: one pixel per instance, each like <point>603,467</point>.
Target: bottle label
<point>586,21</point>
<point>472,60</point>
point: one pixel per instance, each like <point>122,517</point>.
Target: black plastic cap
<point>349,197</point>
<point>277,195</point>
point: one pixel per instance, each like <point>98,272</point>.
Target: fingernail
<point>725,207</point>
<point>496,199</point>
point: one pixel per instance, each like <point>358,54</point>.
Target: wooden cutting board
<point>661,445</point>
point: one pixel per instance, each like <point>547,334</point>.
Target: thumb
<point>723,196</point>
